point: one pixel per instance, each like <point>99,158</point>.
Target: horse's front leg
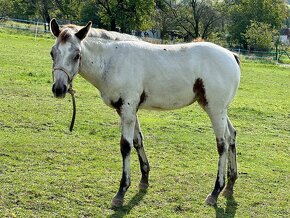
<point>128,119</point>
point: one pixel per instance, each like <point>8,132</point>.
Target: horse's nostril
<point>64,88</point>
<point>58,90</point>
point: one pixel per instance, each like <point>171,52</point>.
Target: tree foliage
<point>229,21</point>
<point>194,18</point>
<point>272,12</point>
<point>89,12</point>
<point>127,14</point>
<point>260,36</point>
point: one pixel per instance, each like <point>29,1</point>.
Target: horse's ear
<point>54,27</point>
<point>82,33</point>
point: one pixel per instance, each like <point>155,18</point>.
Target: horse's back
<point>172,72</point>
<point>167,74</point>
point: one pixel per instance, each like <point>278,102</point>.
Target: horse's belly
<point>168,100</point>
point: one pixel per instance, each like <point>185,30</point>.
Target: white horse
<point>131,75</point>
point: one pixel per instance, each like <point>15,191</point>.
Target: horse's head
<point>66,55</point>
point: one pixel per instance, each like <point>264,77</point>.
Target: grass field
<point>46,171</point>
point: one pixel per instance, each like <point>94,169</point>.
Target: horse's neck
<point>94,60</point>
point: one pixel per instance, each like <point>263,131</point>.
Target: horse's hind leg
<point>232,162</point>
<point>219,123</point>
<point>144,164</point>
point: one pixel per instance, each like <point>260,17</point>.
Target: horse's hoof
<point>143,186</point>
<point>117,202</point>
<point>228,193</point>
<point>210,200</point>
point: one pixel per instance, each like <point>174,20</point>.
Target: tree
<point>272,12</point>
<point>196,18</point>
<point>260,36</point>
<point>127,14</point>
<point>287,23</point>
<point>163,20</point>
<point>44,11</point>
<point>5,8</point>
<point>18,8</point>
<point>70,9</point>
<point>89,12</point>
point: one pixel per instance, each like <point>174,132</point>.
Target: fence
<point>261,55</point>
<point>39,27</point>
<point>256,54</point>
<point>28,25</point>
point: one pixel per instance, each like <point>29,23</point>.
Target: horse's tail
<point>237,58</point>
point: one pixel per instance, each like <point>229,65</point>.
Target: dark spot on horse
<point>198,89</point>
<point>92,62</point>
<point>125,151</point>
<point>232,177</point>
<point>104,35</point>
<point>64,36</point>
<point>106,69</point>
<point>165,49</point>
<point>135,143</point>
<point>138,144</point>
<point>235,133</point>
<point>117,104</point>
<point>116,47</point>
<point>220,146</point>
<point>122,185</point>
<point>125,146</point>
<point>218,187</point>
<point>232,147</point>
<point>143,97</point>
<point>237,58</point>
<point>72,26</point>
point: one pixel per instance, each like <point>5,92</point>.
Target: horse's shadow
<point>122,211</point>
<point>229,211</point>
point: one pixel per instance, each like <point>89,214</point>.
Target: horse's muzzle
<point>59,91</point>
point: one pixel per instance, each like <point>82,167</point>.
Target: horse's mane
<point>103,34</point>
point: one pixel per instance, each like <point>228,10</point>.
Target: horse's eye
<point>77,57</point>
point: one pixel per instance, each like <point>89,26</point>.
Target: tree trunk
<point>45,14</point>
<point>113,25</point>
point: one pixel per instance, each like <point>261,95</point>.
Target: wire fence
<point>20,24</point>
<point>38,27</point>
<point>281,55</point>
<point>257,54</point>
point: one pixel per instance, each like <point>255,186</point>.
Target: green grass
<point>46,171</point>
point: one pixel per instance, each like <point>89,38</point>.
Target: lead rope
<point>72,93</point>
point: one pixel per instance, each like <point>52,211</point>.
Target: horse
<point>131,74</point>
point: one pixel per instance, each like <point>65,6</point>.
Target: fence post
<point>277,53</point>
<point>36,30</point>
